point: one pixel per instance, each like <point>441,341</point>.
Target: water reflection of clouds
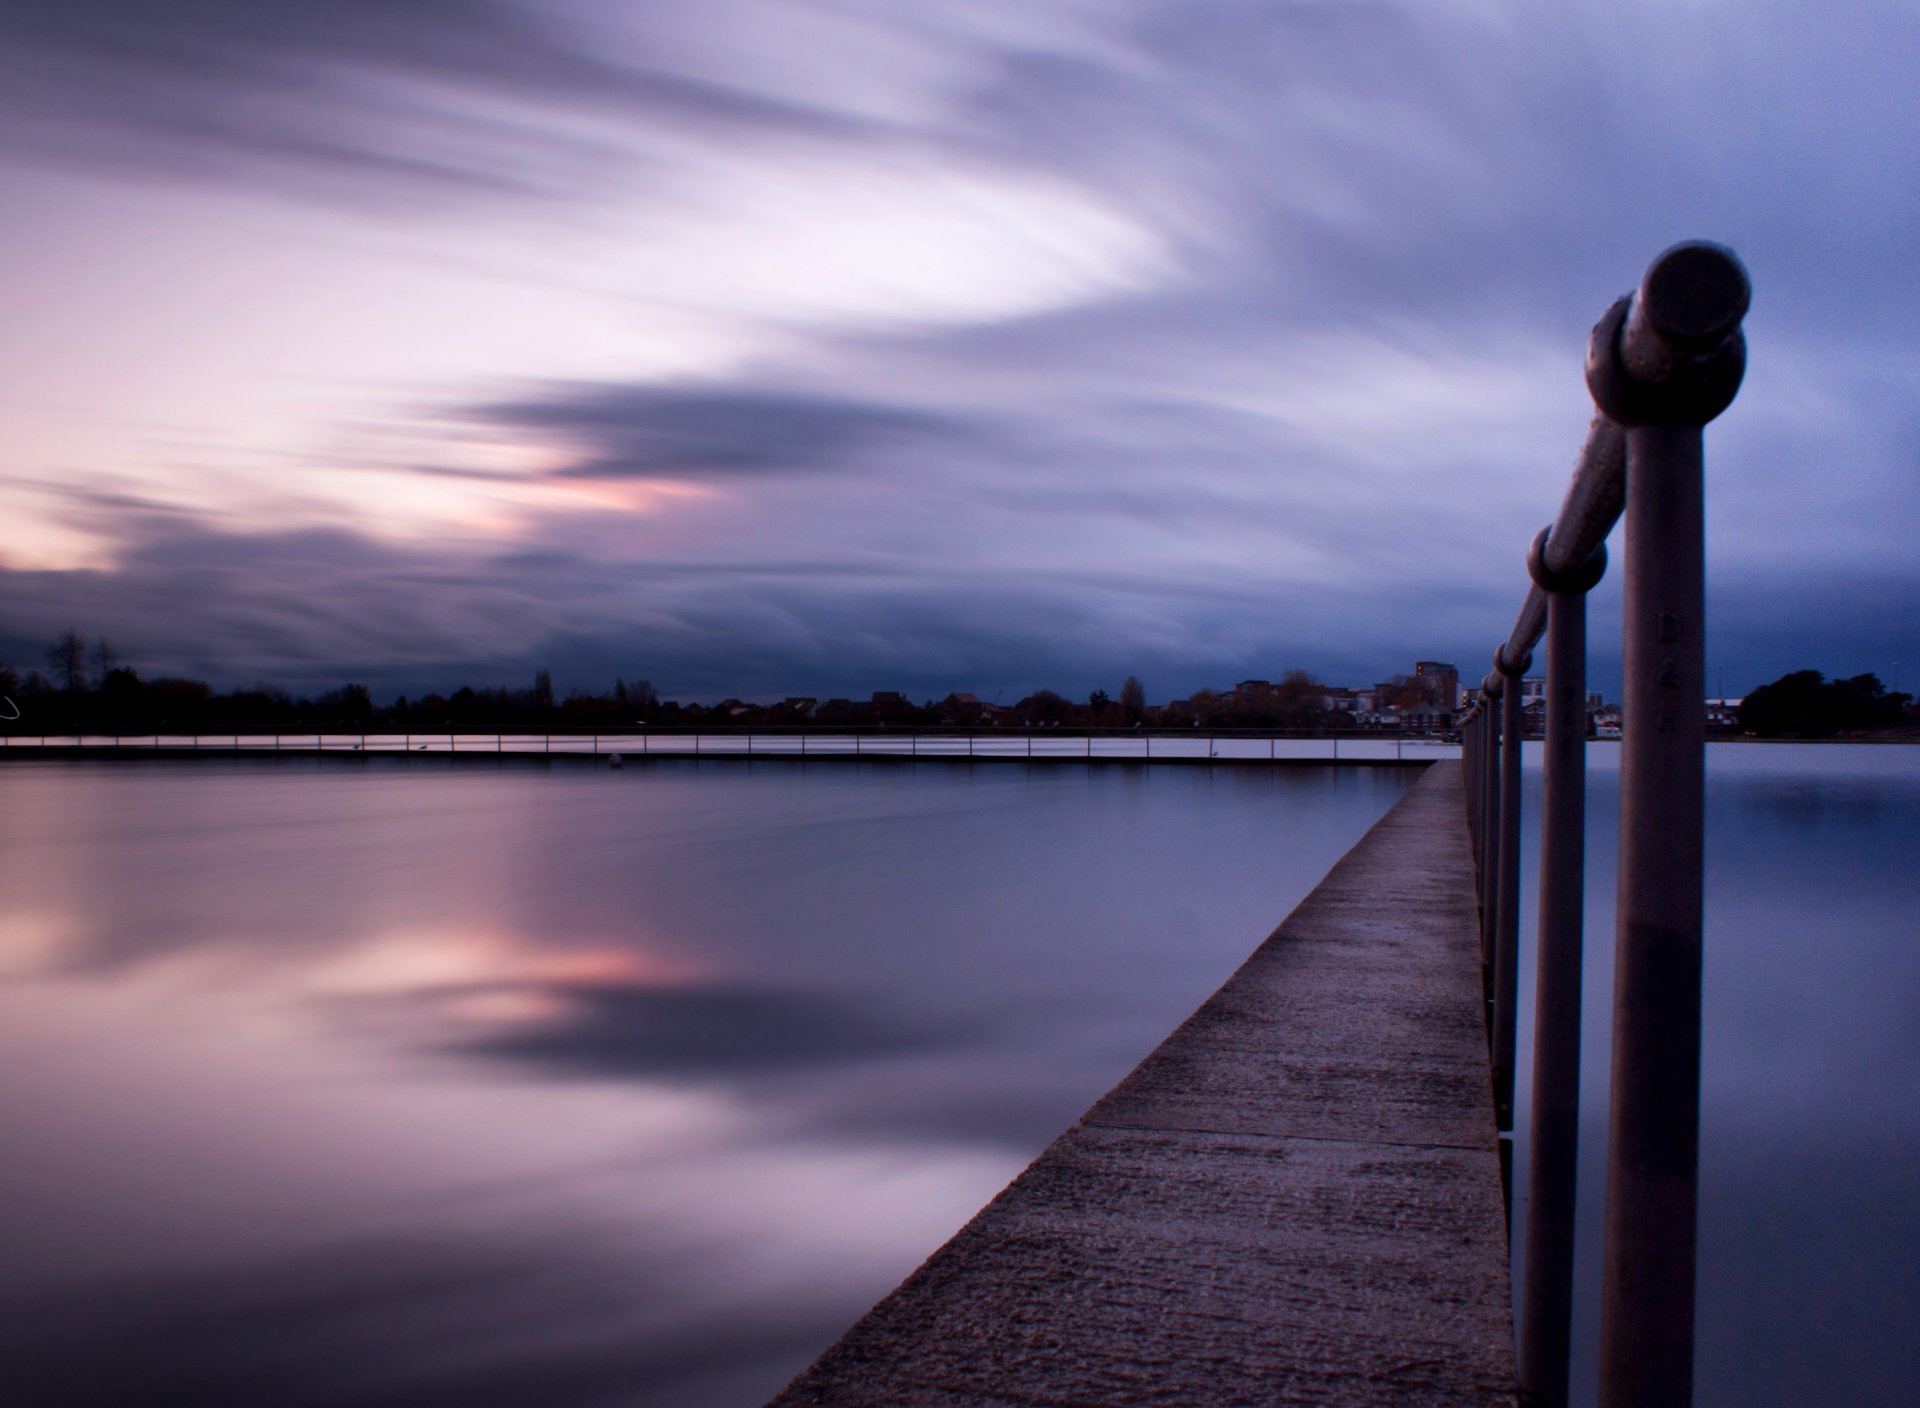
<point>361,1085</point>
<point>419,1321</point>
<point>628,1030</point>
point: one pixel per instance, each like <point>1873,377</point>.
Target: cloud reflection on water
<point>425,1083</point>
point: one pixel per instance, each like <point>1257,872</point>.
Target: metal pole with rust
<point>1663,362</point>
<point>1491,690</point>
<point>1562,559</point>
<point>1547,1306</point>
<point>1469,765</point>
<point>1506,888</point>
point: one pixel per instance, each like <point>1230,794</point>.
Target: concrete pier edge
<point>1294,1200</point>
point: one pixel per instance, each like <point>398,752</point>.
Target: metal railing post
<point>1489,841</point>
<point>1506,888</point>
<point>1466,771</point>
<point>1547,1306</point>
<point>1470,761</point>
<point>1480,775</point>
<point>1663,363</point>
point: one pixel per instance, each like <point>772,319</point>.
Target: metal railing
<point>1662,362</point>
<point>1179,745</point>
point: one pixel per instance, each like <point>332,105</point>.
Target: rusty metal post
<point>1547,1305</point>
<point>1469,769</point>
<point>1491,689</point>
<point>1506,905</point>
<point>1663,363</point>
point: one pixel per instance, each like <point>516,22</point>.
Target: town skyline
<point>90,686</point>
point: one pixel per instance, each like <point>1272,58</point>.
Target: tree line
<point>88,687</point>
<point>1806,704</point>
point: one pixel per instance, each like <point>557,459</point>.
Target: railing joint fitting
<point>1577,582</point>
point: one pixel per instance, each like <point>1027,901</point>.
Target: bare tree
<point>1133,699</point>
<point>105,658</point>
<point>542,691</point>
<point>68,655</point>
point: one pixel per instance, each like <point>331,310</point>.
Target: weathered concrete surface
<point>1294,1200</point>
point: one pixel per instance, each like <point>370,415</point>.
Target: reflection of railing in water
<point>1120,746</point>
<point>1662,363</point>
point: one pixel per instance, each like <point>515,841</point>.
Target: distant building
<point>961,709</point>
<point>1439,681</point>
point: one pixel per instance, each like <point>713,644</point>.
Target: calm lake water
<point>389,1082</point>
<point>1809,1261</point>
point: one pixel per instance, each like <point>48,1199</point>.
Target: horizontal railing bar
<point>1690,302</point>
<point>1595,498</point>
<point>1528,627</point>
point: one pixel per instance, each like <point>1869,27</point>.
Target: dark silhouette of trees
<point>122,692</point>
<point>1805,704</point>
<point>1045,708</point>
<point>67,654</point>
<point>93,691</point>
<point>634,700</point>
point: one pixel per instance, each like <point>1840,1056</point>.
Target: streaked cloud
<point>665,431</point>
<point>826,347</point>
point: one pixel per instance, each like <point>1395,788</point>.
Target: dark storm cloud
<point>1356,200</point>
<point>362,97</point>
<point>643,430</point>
<point>285,607</point>
<point>310,610</point>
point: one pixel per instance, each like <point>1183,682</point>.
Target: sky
<point>767,347</point>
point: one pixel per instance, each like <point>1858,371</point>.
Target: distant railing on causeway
<point>1059,745</point>
<point>1662,363</point>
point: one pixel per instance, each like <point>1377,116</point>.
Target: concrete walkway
<point>1294,1200</point>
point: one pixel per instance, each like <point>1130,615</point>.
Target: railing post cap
<point>1695,294</point>
<point>1492,685</point>
<point>1512,670</point>
<point>1578,582</point>
<point>1672,353</point>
